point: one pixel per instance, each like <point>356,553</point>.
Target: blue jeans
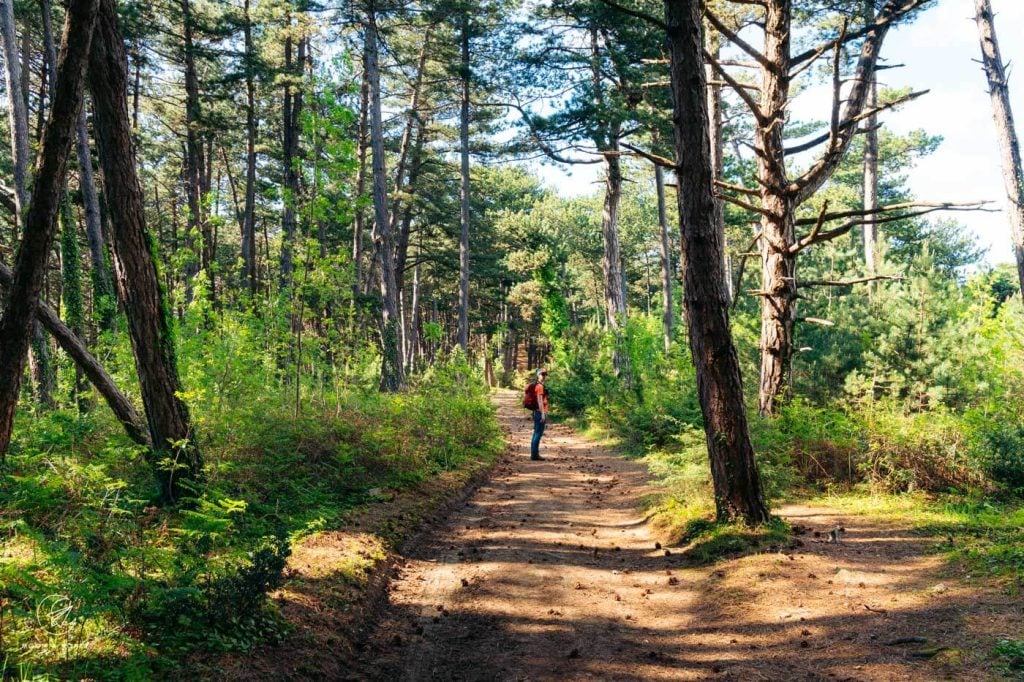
<point>538,431</point>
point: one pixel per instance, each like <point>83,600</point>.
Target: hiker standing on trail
<point>540,413</point>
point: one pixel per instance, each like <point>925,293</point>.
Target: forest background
<point>307,239</point>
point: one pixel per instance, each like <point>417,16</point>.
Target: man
<point>540,415</point>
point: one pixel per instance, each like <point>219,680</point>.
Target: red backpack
<point>530,397</point>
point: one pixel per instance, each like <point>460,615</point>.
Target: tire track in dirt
<point>549,572</point>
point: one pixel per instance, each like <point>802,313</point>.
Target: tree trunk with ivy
<point>40,220</point>
<point>174,455</point>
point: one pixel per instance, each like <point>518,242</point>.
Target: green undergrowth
<point>97,581</point>
<point>983,537</point>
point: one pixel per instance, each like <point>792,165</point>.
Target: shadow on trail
<point>550,573</point>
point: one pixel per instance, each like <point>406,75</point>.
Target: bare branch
<point>884,20</point>
<point>743,266</point>
<point>824,137</point>
<point>810,238</point>
<point>829,235</point>
<point>738,188</point>
<point>846,283</point>
<point>837,84</point>
<point>740,90</point>
<point>746,205</point>
<point>889,208</point>
<point>740,43</point>
<point>653,158</point>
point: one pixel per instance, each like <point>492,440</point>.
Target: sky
<point>938,52</point>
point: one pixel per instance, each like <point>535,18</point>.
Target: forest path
<point>549,572</point>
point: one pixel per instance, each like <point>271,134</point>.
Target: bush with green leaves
<point>99,582</point>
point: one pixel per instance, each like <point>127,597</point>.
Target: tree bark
<point>463,328</point>
<point>291,129</point>
<point>667,316</point>
<point>104,296</point>
<point>391,356</point>
<point>778,305</point>
<point>359,221</point>
<point>871,162</point>
<point>18,110</point>
<point>175,456</point>
<point>1009,145</point>
<point>607,142</point>
<point>405,182</point>
<point>249,212</point>
<point>71,286</point>
<point>733,468</point>
<point>195,161</point>
<point>408,189</point>
<point>22,301</point>
<point>718,156</point>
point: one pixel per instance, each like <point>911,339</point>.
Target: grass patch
<point>97,582</point>
<point>1010,654</point>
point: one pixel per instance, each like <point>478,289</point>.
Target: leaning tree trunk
<point>21,156</point>
<point>175,456</point>
<point>22,301</point>
<point>463,328</point>
<point>391,352</point>
<point>734,471</point>
<point>1009,145</point>
<point>75,348</point>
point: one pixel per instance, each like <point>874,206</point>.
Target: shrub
<point>1003,457</point>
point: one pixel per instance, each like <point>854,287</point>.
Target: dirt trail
<point>550,573</point>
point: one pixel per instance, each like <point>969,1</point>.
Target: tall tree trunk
<point>607,142</point>
<point>22,301</point>
<point>778,290</point>
<point>138,285</point>
<point>391,356</point>
<point>611,261</point>
<point>71,289</point>
<point>667,316</point>
<point>719,385</point>
<point>44,375</point>
<point>463,329</point>
<point>359,221</point>
<point>104,296</point>
<point>405,182</point>
<point>408,189</point>
<point>249,212</point>
<point>20,153</point>
<point>1009,145</point>
<point>195,162</point>
<point>292,126</point>
<point>871,162</point>
<point>718,155</point>
<point>414,325</point>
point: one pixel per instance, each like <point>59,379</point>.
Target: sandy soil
<point>549,573</point>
